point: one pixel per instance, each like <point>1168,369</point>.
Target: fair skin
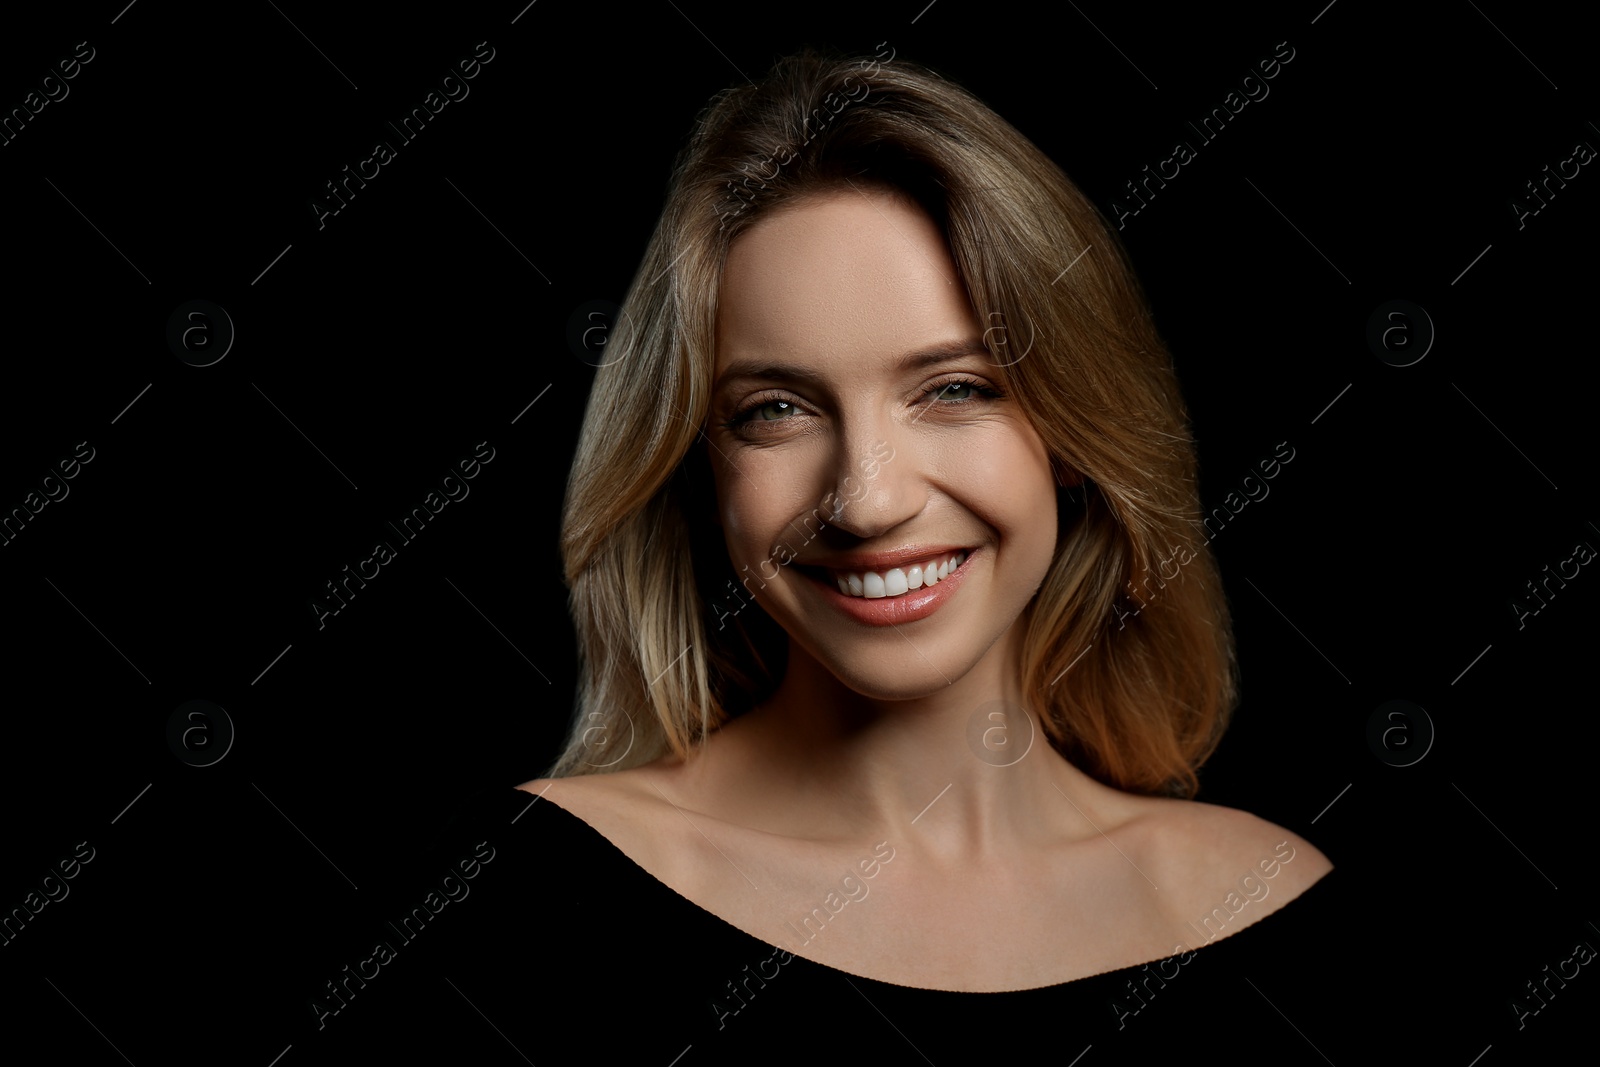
<point>1005,873</point>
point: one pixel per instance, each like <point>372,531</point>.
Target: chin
<point>913,677</point>
<point>875,687</point>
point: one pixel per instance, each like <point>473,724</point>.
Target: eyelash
<point>746,414</point>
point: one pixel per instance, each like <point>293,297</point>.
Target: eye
<point>962,391</point>
<point>763,409</point>
<point>773,410</point>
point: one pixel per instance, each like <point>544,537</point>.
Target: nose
<point>877,484</point>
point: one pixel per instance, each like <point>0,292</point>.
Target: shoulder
<point>628,790</point>
<point>1225,864</point>
<point>590,797</point>
<point>627,808</point>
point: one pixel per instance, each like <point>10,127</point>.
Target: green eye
<point>954,391</point>
<point>773,410</point>
<point>776,409</point>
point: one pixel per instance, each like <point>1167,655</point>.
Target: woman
<point>887,570</point>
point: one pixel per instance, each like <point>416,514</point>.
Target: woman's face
<point>858,433</point>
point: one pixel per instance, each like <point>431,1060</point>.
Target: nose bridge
<point>874,484</point>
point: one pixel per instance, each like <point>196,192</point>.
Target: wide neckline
<point>676,896</point>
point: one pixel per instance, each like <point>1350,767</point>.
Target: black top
<point>561,948</point>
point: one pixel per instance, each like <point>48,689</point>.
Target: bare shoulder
<point>586,795</point>
<point>1227,865</point>
<point>626,807</point>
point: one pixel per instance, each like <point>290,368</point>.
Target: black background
<point>374,352</point>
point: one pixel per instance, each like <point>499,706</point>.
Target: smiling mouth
<point>896,581</point>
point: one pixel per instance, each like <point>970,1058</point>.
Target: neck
<point>963,771</point>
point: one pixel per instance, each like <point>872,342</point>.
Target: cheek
<point>1004,477</point>
<point>733,515</point>
<point>741,533</point>
<point>756,512</point>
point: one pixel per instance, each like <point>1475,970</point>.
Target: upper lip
<point>883,561</point>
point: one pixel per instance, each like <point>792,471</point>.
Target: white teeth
<point>875,585</point>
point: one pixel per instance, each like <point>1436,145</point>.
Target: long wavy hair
<point>1128,659</point>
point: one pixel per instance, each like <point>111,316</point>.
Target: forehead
<point>843,276</point>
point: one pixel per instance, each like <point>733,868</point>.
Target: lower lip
<point>893,610</point>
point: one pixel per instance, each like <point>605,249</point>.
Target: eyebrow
<point>919,359</point>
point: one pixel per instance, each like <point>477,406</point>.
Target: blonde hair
<point>1128,657</point>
